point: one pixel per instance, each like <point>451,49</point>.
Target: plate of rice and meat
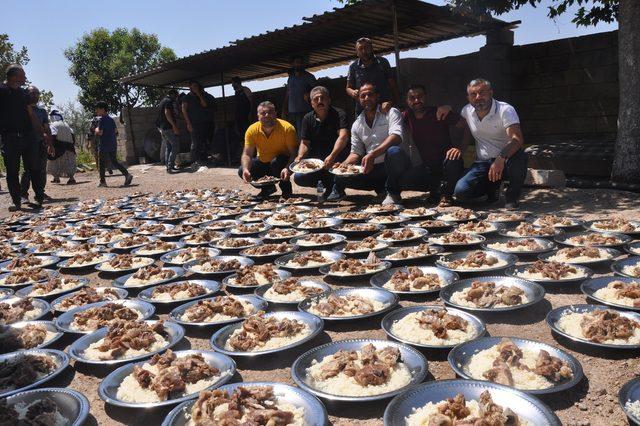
<point>629,267</point>
<point>47,406</point>
<point>457,215</point>
<point>15,309</point>
<point>124,263</point>
<point>615,224</point>
<point>148,276</point>
<point>290,291</point>
<point>53,287</point>
<point>520,246</point>
<point>217,266</point>
<point>476,261</point>
<point>580,255</point>
<point>307,165</point>
<point>249,277</point>
<point>550,272</point>
<point>456,239</point>
<point>318,240</point>
<point>354,269</point>
<point>308,260</point>
<point>414,279</point>
<point>618,292</point>
<point>89,318</point>
<point>349,304</point>
<point>30,368</point>
<point>86,296</point>
<point>346,169</point>
<point>23,335</point>
<point>555,221</point>
<point>216,311</point>
<point>265,181</point>
<point>179,291</point>
<point>593,239</point>
<point>184,255</point>
<point>406,255</point>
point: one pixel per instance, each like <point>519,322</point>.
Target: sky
<point>47,28</point>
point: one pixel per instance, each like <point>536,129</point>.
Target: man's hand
<point>50,150</point>
<point>355,93</point>
<point>246,175</point>
<point>453,154</point>
<point>176,130</point>
<point>297,159</point>
<point>285,174</point>
<point>442,112</point>
<point>385,107</point>
<point>329,161</point>
<point>189,128</point>
<point>367,163</point>
<point>496,169</point>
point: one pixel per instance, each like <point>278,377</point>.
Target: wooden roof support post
<point>224,115</point>
<point>396,45</point>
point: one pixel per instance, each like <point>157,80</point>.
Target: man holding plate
<point>324,135</point>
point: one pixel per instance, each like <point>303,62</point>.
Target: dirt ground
<point>592,402</point>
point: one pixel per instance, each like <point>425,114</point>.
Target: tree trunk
<point>626,162</point>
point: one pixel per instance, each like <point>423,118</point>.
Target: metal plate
<point>210,286</point>
<point>414,360</point>
<point>244,261</point>
<point>261,290</point>
<point>515,270</point>
<point>227,281</point>
<point>589,225</point>
<point>574,223</point>
<point>630,392</point>
<point>509,258</point>
<point>326,270</point>
<point>300,241</point>
<point>398,220</point>
<point>364,216</point>
<point>525,406</point>
<point>166,227</point>
<point>174,334</point>
<point>460,357</point>
<point>61,360</point>
<point>381,278</point>
<point>108,389</point>
<point>359,253</point>
<point>261,258</point>
<point>384,255</point>
<point>283,261</point>
<point>252,243</point>
<point>618,266</point>
<point>102,268</point>
<point>122,294</point>
<point>633,248</point>
<point>534,292</point>
<point>168,258</point>
<point>591,286</point>
<point>63,322</point>
<point>46,262</point>
<point>220,337</point>
<point>39,304</point>
<point>72,405</point>
<point>554,316</point>
<point>546,246</point>
<point>418,234</point>
<point>220,224</point>
<point>270,220</point>
<point>121,281</point>
<point>239,233</point>
<point>105,257</point>
<point>432,229</point>
<point>140,250</point>
<point>5,292</point>
<point>328,223</point>
<point>612,252</point>
<point>49,325</point>
<point>262,184</point>
<point>388,299</point>
<point>117,249</point>
<point>432,239</point>
<point>24,292</point>
<point>299,233</point>
<point>358,232</point>
<point>176,314</point>
<point>314,412</point>
<point>398,314</point>
<point>315,161</point>
<point>564,239</point>
<point>419,215</point>
<point>507,232</point>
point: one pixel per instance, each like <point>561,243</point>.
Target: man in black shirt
<point>243,115</point>
<point>324,135</point>
<point>199,108</point>
<point>18,136</point>
<point>167,125</point>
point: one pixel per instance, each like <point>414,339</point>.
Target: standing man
<point>296,98</point>
<point>429,128</point>
<point>372,69</point>
<point>42,132</point>
<point>106,129</point>
<point>243,101</point>
<point>18,136</point>
<point>270,145</point>
<point>199,108</point>
<point>495,126</point>
<point>324,135</point>
<point>167,124</point>
<point>372,134</point>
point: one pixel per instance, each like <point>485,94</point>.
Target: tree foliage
<point>78,118</point>
<point>100,58</point>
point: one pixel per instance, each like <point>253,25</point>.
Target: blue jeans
<point>475,183</point>
<point>310,180</point>
<point>273,168</point>
<point>172,147</point>
<point>402,176</point>
<point>375,180</point>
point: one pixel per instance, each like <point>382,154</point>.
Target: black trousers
<point>26,178</point>
<point>16,147</point>
<point>201,136</point>
<point>273,168</point>
<point>105,158</point>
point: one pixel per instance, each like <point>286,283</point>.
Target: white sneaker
<point>24,200</point>
<point>392,199</point>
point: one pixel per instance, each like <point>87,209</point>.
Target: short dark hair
<point>102,105</point>
<point>195,82</point>
<point>416,86</point>
<point>172,92</point>
<point>236,79</point>
<point>365,40</point>
<point>369,83</point>
<point>294,57</point>
<point>12,70</point>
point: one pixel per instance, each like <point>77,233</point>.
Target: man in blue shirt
<point>108,147</point>
<point>296,99</point>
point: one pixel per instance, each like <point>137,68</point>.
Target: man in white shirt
<point>495,126</point>
<point>372,134</point>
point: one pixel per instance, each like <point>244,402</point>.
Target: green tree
<point>100,58</point>
<point>9,55</point>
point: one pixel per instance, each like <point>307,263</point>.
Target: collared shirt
<point>377,73</point>
<point>430,136</point>
<point>490,133</point>
<point>281,141</point>
<point>323,134</point>
<point>14,116</point>
<point>298,86</point>
<point>43,118</point>
<point>365,139</point>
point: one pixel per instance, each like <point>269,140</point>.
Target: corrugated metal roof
<point>326,40</point>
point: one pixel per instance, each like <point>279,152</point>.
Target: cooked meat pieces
<point>355,266</point>
<point>308,165</point>
<point>491,414</point>
<point>258,404</point>
<point>52,284</point>
<point>454,408</point>
<point>414,277</point>
<point>398,235</point>
<point>486,294</point>
<point>551,270</point>
<point>342,168</point>
<point>291,285</point>
<point>266,179</point>
<point>234,242</point>
<point>260,328</point>
<point>248,275</point>
<point>172,290</point>
<point>575,252</point>
<point>41,412</point>
<point>88,295</point>
<point>503,217</point>
<point>204,236</point>
<point>16,311</point>
<point>475,259</point>
<point>344,305</point>
<point>178,230</point>
<point>354,216</point>
<point>551,220</point>
<point>224,305</point>
<point>152,228</point>
<point>282,232</point>
<point>285,217</point>
<point>602,325</point>
<point>456,237</point>
<point>615,224</point>
<point>159,245</point>
<point>551,367</point>
<point>152,272</point>
<point>439,321</point>
<point>250,228</point>
<point>630,290</point>
<point>23,370</point>
<point>101,316</point>
<point>27,337</point>
<point>28,261</point>
<point>267,249</point>
<point>528,244</point>
<point>359,227</point>
<point>85,258</point>
<point>137,335</point>
<point>374,367</point>
<point>133,241</point>
<point>481,226</point>
<point>219,265</point>
<point>410,252</point>
<point>122,261</point>
<point>368,243</point>
<point>318,238</point>
<point>303,259</point>
<point>527,229</point>
<point>7,251</point>
<point>314,223</point>
<point>594,239</point>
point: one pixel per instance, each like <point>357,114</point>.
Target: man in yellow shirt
<point>270,145</point>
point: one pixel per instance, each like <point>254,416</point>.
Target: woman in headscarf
<point>63,162</point>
